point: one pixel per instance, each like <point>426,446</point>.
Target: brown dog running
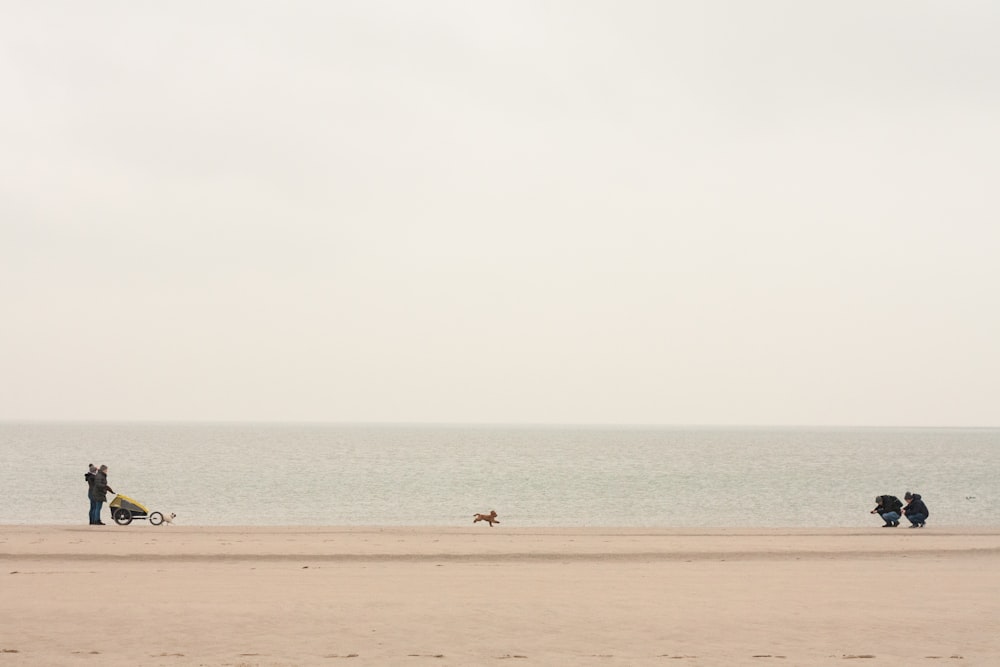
<point>491,518</point>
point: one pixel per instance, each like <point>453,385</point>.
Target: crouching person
<point>889,508</point>
<point>915,510</point>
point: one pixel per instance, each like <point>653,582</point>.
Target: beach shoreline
<point>180,595</point>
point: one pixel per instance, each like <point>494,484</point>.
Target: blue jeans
<point>890,517</point>
<point>917,518</point>
<point>95,511</point>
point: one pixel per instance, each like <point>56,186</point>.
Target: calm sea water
<point>303,474</point>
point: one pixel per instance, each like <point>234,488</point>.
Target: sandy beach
<point>178,595</point>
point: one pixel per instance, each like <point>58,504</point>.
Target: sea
<point>269,474</point>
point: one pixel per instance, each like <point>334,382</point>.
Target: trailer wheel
<point>156,518</point>
<point>122,516</point>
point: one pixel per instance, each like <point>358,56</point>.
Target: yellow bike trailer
<point>125,509</point>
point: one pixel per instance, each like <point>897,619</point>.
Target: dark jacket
<point>916,506</point>
<point>888,504</point>
<point>90,477</point>
<point>100,488</point>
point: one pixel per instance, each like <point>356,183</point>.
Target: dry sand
<point>474,595</point>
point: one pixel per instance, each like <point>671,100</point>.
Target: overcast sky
<point>508,211</point>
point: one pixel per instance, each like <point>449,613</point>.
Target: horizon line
<point>494,424</point>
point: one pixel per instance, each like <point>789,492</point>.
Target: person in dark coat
<point>889,508</point>
<point>90,476</point>
<point>100,492</point>
<point>916,511</point>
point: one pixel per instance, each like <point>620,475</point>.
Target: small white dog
<point>169,518</point>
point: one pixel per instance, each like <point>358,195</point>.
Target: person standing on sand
<point>916,511</point>
<point>889,508</point>
<point>90,476</point>
<point>100,493</point>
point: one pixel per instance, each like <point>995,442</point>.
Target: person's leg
<point>891,519</point>
<point>916,520</point>
<point>97,512</point>
<point>94,518</point>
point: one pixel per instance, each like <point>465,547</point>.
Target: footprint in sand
<point>863,655</point>
<point>334,655</point>
<point>677,657</point>
<point>9,650</point>
<point>509,656</point>
<point>426,655</point>
<point>768,655</point>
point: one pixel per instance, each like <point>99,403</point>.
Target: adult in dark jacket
<point>100,493</point>
<point>916,511</point>
<point>889,508</point>
<point>90,476</point>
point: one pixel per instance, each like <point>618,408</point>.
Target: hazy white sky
<point>507,211</point>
